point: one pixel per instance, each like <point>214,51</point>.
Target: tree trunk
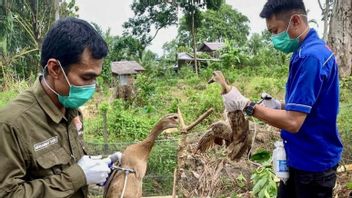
<point>326,19</point>
<point>340,35</point>
<point>194,42</point>
<point>57,9</point>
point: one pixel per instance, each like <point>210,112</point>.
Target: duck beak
<point>211,81</point>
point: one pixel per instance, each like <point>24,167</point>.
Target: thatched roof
<point>126,67</point>
<point>210,46</point>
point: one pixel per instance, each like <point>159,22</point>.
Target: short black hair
<point>67,39</point>
<point>282,8</point>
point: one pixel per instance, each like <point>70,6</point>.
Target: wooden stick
<point>182,121</point>
<point>200,118</point>
<point>181,148</point>
<point>344,168</point>
<point>184,129</point>
<point>174,184</point>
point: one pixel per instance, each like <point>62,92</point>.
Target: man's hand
<point>234,100</point>
<point>111,159</point>
<point>270,102</point>
<point>95,170</point>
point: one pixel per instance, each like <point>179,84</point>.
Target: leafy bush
<point>256,85</point>
<point>125,125</point>
<point>346,83</point>
<point>345,128</point>
<point>233,55</point>
<point>161,164</point>
<point>7,95</point>
<point>264,185</point>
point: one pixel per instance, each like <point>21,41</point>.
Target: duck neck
<point>150,140</point>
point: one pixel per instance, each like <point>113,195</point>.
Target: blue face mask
<point>78,95</point>
<point>283,41</point>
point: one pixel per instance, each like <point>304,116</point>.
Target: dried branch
<point>344,168</point>
<point>321,7</point>
<point>200,119</point>
<point>182,122</point>
<point>174,184</point>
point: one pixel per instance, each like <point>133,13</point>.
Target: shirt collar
<point>312,35</point>
<point>46,103</point>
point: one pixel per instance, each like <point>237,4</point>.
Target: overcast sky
<point>113,13</point>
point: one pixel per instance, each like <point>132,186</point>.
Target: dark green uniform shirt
<point>39,148</point>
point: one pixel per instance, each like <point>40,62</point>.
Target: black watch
<point>249,109</point>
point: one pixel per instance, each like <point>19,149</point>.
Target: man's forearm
<point>288,120</point>
<point>62,185</point>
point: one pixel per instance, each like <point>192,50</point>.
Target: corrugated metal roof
<point>126,67</point>
<point>184,56</point>
<point>212,46</point>
<point>187,57</point>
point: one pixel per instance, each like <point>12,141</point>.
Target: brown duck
<point>135,157</point>
<point>233,131</point>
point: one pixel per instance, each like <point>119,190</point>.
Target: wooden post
<point>181,147</point>
<point>194,39</point>
<point>174,184</point>
<point>105,132</point>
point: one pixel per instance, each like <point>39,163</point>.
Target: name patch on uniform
<point>46,143</point>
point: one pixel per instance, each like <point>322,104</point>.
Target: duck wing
<point>239,125</point>
<point>241,135</point>
<point>217,133</point>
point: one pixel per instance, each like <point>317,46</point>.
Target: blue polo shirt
<point>313,88</point>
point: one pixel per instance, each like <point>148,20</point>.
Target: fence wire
<point>152,182</point>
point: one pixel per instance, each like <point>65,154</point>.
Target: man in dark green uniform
<point>41,143</point>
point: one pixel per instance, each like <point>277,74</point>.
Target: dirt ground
<point>341,190</point>
<point>213,175</point>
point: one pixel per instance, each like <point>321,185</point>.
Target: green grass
<point>160,94</point>
<point>7,95</point>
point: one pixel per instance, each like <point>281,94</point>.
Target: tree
<point>326,12</point>
<point>340,35</point>
<point>156,15</point>
<point>170,50</point>
<point>193,18</point>
<point>120,48</point>
<point>150,16</point>
<point>218,25</point>
<point>23,25</point>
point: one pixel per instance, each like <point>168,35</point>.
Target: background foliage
<point>248,61</point>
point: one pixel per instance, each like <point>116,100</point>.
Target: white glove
<point>117,156</point>
<point>95,170</point>
<point>110,160</point>
<point>270,102</point>
<point>234,100</point>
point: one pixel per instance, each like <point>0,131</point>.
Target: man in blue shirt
<point>308,119</point>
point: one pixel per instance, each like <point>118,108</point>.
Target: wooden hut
<point>212,48</point>
<point>124,73</point>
